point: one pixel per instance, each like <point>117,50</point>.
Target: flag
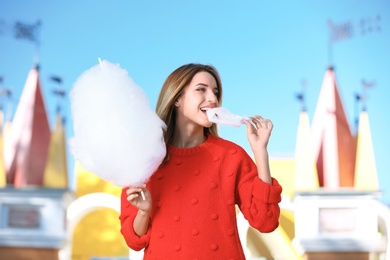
<point>338,32</point>
<point>367,84</point>
<point>370,25</point>
<point>56,79</point>
<point>27,31</point>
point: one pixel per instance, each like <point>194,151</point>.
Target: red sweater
<point>194,194</point>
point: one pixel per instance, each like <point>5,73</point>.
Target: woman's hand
<point>135,197</point>
<point>258,132</point>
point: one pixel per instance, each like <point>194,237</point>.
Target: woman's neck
<point>188,138</point>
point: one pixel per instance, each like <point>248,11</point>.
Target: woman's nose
<point>211,97</point>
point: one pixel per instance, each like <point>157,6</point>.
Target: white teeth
<point>205,109</point>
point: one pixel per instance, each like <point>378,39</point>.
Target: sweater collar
<point>193,150</point>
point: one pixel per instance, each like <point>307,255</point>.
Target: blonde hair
<point>172,89</point>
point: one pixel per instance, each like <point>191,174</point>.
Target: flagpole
<point>37,42</point>
<point>358,98</point>
<point>330,61</point>
<point>361,98</point>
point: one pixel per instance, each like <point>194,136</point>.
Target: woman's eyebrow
<point>202,84</point>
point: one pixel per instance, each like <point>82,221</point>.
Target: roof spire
<point>334,145</point>
<point>365,170</point>
<point>25,151</point>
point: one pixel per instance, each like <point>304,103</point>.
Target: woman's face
<point>196,98</point>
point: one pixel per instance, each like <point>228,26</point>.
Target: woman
<point>189,207</point>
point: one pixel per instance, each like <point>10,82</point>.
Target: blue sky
<point>263,50</point>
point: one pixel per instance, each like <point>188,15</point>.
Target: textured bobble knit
<point>194,194</point>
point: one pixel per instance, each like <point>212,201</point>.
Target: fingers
<point>134,192</point>
<point>260,122</point>
<point>132,197</point>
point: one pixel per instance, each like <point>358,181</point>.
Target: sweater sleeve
<point>257,200</point>
<point>128,213</point>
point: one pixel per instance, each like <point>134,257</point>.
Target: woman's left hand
<point>258,132</point>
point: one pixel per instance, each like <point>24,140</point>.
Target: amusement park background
<point>272,56</point>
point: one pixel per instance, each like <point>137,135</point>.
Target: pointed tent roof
<point>306,177</point>
<point>5,133</point>
<point>56,171</point>
<point>333,143</point>
<point>25,151</point>
<point>366,177</point>
<point>2,168</point>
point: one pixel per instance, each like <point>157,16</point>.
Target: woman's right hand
<point>135,198</point>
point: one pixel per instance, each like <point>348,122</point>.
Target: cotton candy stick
<point>143,195</point>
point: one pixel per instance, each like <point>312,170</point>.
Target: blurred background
<point>274,58</point>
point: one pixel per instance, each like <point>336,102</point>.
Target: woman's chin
<point>208,125</point>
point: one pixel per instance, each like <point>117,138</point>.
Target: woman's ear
<point>178,100</point>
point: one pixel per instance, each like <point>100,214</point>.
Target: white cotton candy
<point>116,134</point>
<point>222,116</point>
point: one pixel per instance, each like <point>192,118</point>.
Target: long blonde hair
<point>173,88</point>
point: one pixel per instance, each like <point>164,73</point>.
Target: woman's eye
<point>201,89</point>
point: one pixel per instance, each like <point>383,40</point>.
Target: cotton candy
<point>116,134</point>
<point>222,116</point>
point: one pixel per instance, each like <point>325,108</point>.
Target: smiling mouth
<point>204,111</point>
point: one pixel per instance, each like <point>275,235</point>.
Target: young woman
<point>189,208</point>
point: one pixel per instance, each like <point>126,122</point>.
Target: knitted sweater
<point>194,194</point>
